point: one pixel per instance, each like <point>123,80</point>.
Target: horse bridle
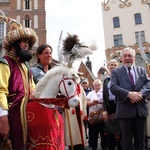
<point>63,82</point>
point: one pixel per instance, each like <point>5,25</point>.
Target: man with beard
<point>131,86</point>
<point>16,83</point>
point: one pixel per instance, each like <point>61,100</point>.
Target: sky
<point>81,17</point>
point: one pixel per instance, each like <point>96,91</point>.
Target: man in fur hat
<point>16,84</point>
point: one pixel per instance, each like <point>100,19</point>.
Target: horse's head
<point>69,88</point>
<point>59,79</point>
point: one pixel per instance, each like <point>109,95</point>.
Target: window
<point>27,21</point>
<point>18,4</point>
<point>35,22</point>
<point>138,19</point>
<point>118,40</point>
<point>116,22</point>
<point>137,36</point>
<point>35,4</point>
<point>1,29</point>
<point>27,4</point>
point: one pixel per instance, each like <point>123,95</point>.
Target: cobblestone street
<point>99,148</point>
<point>89,148</point>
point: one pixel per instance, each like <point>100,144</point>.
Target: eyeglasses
<point>130,56</point>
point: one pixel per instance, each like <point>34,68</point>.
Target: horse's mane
<point>54,71</point>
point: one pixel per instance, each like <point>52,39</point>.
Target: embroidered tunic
<point>15,87</point>
<point>45,125</point>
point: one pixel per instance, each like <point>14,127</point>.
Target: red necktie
<point>131,75</point>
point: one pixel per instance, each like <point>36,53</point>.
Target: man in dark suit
<point>131,86</point>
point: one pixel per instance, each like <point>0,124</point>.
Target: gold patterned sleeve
<point>32,84</point>
<point>4,81</point>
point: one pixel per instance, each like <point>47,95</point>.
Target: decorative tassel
<point>85,118</point>
<point>78,89</point>
<point>81,112</point>
<point>73,111</point>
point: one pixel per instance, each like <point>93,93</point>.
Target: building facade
<point>122,21</point>
<point>30,13</point>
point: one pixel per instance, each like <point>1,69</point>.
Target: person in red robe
<point>43,132</point>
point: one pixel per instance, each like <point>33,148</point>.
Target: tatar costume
<point>16,83</point>
<point>20,85</point>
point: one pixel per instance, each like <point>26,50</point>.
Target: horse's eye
<point>69,83</point>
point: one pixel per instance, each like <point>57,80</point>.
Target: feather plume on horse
<point>73,49</point>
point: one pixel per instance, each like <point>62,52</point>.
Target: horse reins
<point>63,81</point>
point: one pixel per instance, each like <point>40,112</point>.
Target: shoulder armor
<point>37,74</point>
<point>2,60</point>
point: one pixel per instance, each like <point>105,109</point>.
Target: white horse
<point>45,124</point>
<point>61,79</point>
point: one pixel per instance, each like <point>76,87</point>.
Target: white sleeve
<point>3,112</point>
<point>89,95</point>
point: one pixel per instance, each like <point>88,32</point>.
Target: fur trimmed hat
<point>16,32</point>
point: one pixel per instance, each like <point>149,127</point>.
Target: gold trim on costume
<point>56,118</point>
<point>35,142</point>
<point>12,95</point>
<point>24,72</point>
<point>9,105</point>
<point>24,101</point>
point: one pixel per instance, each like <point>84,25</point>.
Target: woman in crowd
<point>44,59</point>
<point>95,102</point>
<point>109,102</point>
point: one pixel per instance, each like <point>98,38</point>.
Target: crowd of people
<point>122,96</point>
<point>125,103</point>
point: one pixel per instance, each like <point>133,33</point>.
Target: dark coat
<point>121,86</point>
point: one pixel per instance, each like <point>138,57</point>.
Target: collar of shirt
<point>132,68</point>
<point>132,71</point>
<point>40,66</point>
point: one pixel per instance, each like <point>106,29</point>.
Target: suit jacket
<point>121,86</point>
<point>105,94</point>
